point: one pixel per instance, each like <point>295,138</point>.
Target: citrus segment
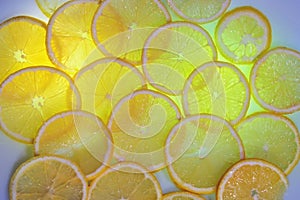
<point>182,196</point>
<point>48,7</point>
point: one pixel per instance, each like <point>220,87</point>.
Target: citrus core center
<point>20,56</point>
<point>38,102</point>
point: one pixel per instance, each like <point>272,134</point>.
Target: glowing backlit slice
<point>48,7</point>
<point>182,196</point>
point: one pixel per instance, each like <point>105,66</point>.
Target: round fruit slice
<point>140,123</point>
<point>69,39</point>
<point>280,68</point>
<point>125,180</point>
<point>252,179</point>
<point>267,136</point>
<point>48,177</point>
<point>120,28</point>
<point>199,11</point>
<point>199,150</point>
<point>182,196</point>
<point>217,88</point>
<point>172,52</point>
<point>32,95</point>
<point>78,136</point>
<point>20,49</point>
<point>48,7</point>
<point>242,34</point>
<point>104,82</point>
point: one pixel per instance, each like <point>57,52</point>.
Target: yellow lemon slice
<point>48,7</point>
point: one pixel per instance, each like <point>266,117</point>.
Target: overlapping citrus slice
<point>275,80</point>
<point>182,196</point>
<point>104,82</point>
<point>125,180</point>
<point>79,136</point>
<point>20,49</point>
<point>199,11</point>
<point>252,179</point>
<point>120,28</point>
<point>48,7</point>
<point>199,150</point>
<point>32,95</point>
<point>217,88</point>
<point>69,39</point>
<point>272,138</point>
<point>48,177</point>
<point>173,51</point>
<point>242,34</point>
<point>140,123</point>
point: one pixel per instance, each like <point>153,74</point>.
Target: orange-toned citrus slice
<point>242,34</point>
<point>199,150</point>
<point>48,7</point>
<point>173,51</point>
<point>272,138</point>
<point>182,196</point>
<point>275,80</point>
<point>22,44</point>
<point>30,96</point>
<point>104,82</point>
<point>69,39</point>
<point>79,136</point>
<point>139,124</point>
<point>217,88</point>
<point>125,180</point>
<point>120,28</point>
<point>199,11</point>
<point>48,177</point>
<point>252,179</point>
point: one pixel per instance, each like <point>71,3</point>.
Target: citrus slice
<point>173,51</point>
<point>199,150</point>
<point>20,49</point>
<point>217,88</point>
<point>279,68</point>
<point>252,179</point>
<point>182,196</point>
<point>78,136</point>
<point>48,7</point>
<point>120,28</point>
<point>104,82</point>
<point>267,136</point>
<point>139,124</point>
<point>69,40</point>
<point>48,177</point>
<point>30,96</point>
<point>242,34</point>
<point>125,180</point>
<point>199,11</point>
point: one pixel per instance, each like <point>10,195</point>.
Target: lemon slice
<point>182,196</point>
<point>242,34</point>
<point>48,7</point>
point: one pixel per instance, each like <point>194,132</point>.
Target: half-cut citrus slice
<point>20,49</point>
<point>104,82</point>
<point>173,51</point>
<point>48,7</point>
<point>125,180</point>
<point>217,88</point>
<point>252,179</point>
<point>280,69</point>
<point>182,196</point>
<point>139,124</point>
<point>79,136</point>
<point>30,96</point>
<point>199,11</point>
<point>242,34</point>
<point>48,177</point>
<point>120,28</point>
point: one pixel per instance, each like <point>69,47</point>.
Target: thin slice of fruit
<point>252,179</point>
<point>120,28</point>
<point>48,177</point>
<point>125,180</point>
<point>30,96</point>
<point>140,123</point>
<point>242,34</point>
<point>275,80</point>
<point>182,196</point>
<point>199,11</point>
<point>48,7</point>
<point>78,136</point>
<point>217,88</point>
<point>69,40</point>
<point>172,52</point>
<point>199,150</point>
<point>272,138</point>
<point>104,82</point>
<point>20,49</point>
